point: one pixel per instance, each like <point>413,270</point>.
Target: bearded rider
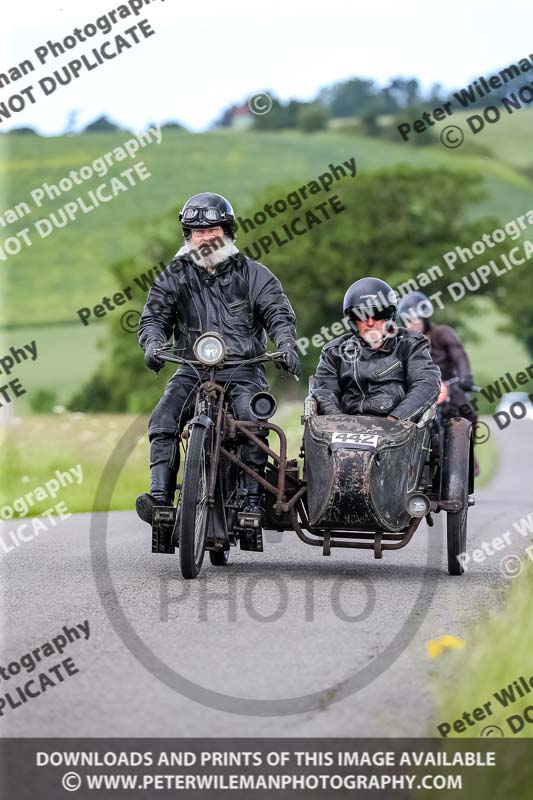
<point>210,286</point>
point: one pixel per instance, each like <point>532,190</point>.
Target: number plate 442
<point>355,438</point>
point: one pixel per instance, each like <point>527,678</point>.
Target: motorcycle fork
<point>212,405</point>
<point>215,451</point>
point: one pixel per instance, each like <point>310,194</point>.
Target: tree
<point>405,91</point>
<point>312,118</point>
<point>101,125</point>
<point>410,114</point>
<point>397,223</point>
<point>43,401</point>
<point>278,117</point>
<point>225,118</point>
<point>173,126</point>
<point>24,131</point>
<point>348,98</point>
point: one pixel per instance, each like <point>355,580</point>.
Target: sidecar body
<point>362,471</point>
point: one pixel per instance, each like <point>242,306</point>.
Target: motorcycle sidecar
<point>363,471</point>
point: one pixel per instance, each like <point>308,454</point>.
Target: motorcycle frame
<point>226,425</point>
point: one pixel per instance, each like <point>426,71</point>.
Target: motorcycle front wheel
<point>194,516</point>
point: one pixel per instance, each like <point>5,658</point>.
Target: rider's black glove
<point>292,362</point>
<point>151,360</point>
<point>466,383</point>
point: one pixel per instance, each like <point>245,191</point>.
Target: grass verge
<point>497,653</point>
<point>493,676</point>
<point>34,447</point>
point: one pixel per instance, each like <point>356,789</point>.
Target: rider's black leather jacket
<point>242,301</point>
<point>398,379</point>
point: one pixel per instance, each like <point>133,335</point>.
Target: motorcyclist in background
<point>414,312</point>
<point>210,286</point>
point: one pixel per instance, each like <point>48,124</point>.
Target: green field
<point>66,356</point>
<point>69,269</point>
<point>509,139</point>
<point>34,447</point>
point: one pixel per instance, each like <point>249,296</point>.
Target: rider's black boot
<point>254,495</point>
<point>252,536</point>
<point>162,490</point>
<point>145,504</point>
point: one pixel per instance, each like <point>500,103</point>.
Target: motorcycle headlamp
<point>209,349</point>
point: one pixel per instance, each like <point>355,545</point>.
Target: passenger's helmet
<point>369,297</point>
<point>415,305</point>
<point>207,210</point>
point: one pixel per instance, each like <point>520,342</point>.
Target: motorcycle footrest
<point>249,519</point>
<point>163,519</point>
<point>252,539</point>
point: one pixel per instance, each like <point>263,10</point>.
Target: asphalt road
<point>287,642</point>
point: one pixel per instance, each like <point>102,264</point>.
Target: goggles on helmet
<point>210,215</point>
<point>366,312</point>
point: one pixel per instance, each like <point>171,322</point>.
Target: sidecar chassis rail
<point>378,542</point>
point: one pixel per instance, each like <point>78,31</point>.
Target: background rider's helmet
<point>369,297</point>
<point>207,210</point>
<point>415,305</point>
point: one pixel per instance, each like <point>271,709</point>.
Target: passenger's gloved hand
<point>151,360</point>
<point>466,383</point>
<point>292,362</point>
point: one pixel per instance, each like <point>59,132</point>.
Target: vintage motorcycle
<point>366,482</point>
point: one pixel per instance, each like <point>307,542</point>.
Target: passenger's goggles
<point>211,215</point>
<point>365,312</point>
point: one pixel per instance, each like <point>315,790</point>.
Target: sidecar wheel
<point>456,533</point>
<point>457,460</point>
<point>219,558</point>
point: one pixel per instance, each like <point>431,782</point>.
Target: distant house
<point>236,117</point>
<point>240,117</point>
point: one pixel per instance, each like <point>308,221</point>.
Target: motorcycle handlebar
<point>169,357</point>
<point>451,381</point>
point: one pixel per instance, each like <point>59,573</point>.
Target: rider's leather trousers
<point>176,407</point>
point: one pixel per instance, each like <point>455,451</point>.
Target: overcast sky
<point>206,55</point>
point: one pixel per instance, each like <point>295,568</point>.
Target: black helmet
<point>207,210</point>
<point>415,305</point>
<point>369,297</point>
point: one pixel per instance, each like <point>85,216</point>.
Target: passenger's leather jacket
<point>242,300</point>
<point>448,352</point>
<point>450,356</point>
<point>398,379</point>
